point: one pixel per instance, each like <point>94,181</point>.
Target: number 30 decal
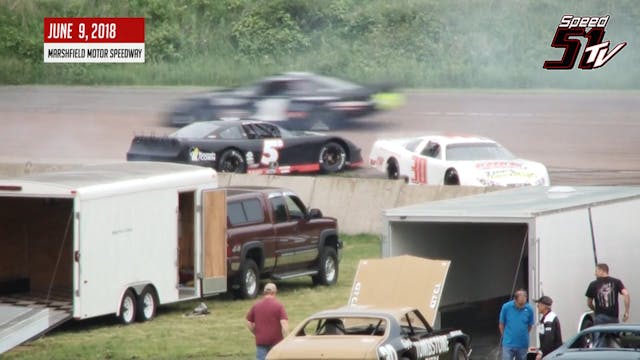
<point>270,151</point>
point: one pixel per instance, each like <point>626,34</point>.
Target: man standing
<point>602,297</point>
<point>268,321</point>
<point>548,327</point>
<point>516,321</point>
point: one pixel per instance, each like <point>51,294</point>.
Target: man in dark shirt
<point>548,328</point>
<point>602,297</point>
<point>268,321</point>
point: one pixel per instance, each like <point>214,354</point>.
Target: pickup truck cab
<point>272,234</point>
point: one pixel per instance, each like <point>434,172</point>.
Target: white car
<point>454,160</point>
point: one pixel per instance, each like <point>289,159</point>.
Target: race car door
<point>214,242</point>
<point>401,281</point>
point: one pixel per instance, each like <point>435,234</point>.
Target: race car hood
<point>326,347</point>
<point>400,281</point>
<point>502,173</point>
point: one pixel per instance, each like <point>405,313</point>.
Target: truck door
<point>214,242</point>
<point>285,232</point>
<point>308,233</point>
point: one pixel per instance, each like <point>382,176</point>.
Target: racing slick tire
<point>249,280</point>
<point>451,177</point>
<point>232,161</point>
<point>393,170</point>
<point>328,269</point>
<point>332,157</point>
<point>458,352</point>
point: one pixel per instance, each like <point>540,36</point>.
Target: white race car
<point>454,160</point>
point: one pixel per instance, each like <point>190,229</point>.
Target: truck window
<point>235,214</point>
<point>245,212</point>
<point>296,208</point>
<point>279,209</point>
<point>253,210</point>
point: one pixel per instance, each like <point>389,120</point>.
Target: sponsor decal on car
<point>196,155</point>
<point>432,347</point>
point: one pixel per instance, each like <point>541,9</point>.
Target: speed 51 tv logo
<point>596,53</point>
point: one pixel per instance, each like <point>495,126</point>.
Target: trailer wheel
<point>147,304</point>
<point>249,279</point>
<point>328,271</point>
<point>459,352</point>
<point>128,307</point>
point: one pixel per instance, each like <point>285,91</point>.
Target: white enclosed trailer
<point>545,240</point>
<point>116,238</point>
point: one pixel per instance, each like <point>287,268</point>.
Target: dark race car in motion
<point>299,100</point>
<point>248,146</point>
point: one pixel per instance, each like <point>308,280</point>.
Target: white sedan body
<point>473,161</point>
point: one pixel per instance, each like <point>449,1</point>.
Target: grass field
<point>219,335</point>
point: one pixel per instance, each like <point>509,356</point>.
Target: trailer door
<point>214,242</point>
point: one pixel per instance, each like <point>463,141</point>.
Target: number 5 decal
<point>270,151</point>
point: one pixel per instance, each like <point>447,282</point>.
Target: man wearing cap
<point>268,321</point>
<point>548,327</point>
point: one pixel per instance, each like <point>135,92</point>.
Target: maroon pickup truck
<point>271,234</point>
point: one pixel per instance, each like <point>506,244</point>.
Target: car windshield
<point>338,325</point>
<point>477,151</point>
<point>196,130</point>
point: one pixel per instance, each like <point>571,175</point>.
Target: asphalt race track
<point>584,137</point>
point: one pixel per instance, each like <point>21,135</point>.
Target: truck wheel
<point>147,304</point>
<point>459,352</point>
<point>249,278</point>
<point>232,161</point>
<point>128,307</point>
<point>332,157</point>
<point>328,271</point>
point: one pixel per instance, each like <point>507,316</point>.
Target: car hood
<point>393,283</point>
<point>595,354</point>
<point>326,347</point>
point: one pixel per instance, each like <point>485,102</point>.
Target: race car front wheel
<point>393,171</point>
<point>232,161</point>
<point>332,157</point>
<point>451,177</point>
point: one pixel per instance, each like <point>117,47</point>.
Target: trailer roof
<point>91,178</point>
<point>517,203</point>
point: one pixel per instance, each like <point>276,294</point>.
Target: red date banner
<point>94,40</point>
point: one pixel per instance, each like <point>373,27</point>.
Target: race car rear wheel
<point>332,157</point>
<point>451,177</point>
<point>232,161</point>
<point>459,352</point>
<point>393,171</point>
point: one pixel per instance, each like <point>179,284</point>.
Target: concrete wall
<point>357,203</point>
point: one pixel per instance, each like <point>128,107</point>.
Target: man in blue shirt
<point>516,321</point>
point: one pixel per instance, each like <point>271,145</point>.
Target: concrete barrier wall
<point>357,203</point>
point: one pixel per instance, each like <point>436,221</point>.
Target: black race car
<point>248,146</point>
<point>298,100</point>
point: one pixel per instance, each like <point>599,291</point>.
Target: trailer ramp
<point>24,317</point>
